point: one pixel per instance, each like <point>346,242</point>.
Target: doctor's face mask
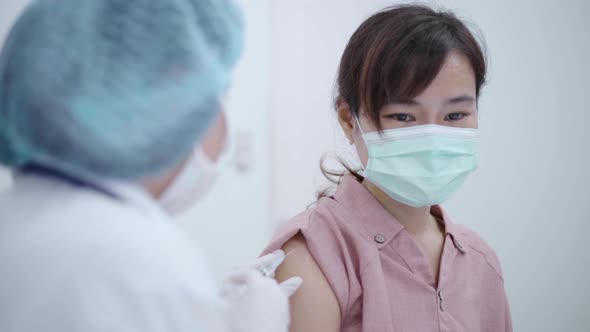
<point>200,172</point>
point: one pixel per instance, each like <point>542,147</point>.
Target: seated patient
<point>381,254</point>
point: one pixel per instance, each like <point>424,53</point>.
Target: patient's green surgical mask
<point>422,165</point>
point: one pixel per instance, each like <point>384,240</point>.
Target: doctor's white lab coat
<point>74,259</point>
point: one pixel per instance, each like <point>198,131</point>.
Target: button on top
<point>457,243</point>
<point>379,238</point>
<point>440,301</point>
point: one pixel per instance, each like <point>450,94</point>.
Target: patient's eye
<point>455,116</point>
<point>401,117</point>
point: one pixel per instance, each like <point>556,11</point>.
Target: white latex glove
<point>267,266</point>
<point>257,303</point>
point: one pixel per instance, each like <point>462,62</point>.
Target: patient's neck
<point>416,221</point>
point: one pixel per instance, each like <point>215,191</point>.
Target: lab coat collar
<point>128,193</point>
<point>136,196</point>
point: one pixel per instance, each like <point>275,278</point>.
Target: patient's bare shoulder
<point>314,307</point>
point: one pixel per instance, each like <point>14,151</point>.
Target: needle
<point>269,270</point>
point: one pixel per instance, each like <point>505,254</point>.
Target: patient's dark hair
<point>395,55</point>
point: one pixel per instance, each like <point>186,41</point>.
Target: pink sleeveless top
<point>383,281</point>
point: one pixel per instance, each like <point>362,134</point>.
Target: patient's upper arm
<point>314,306</point>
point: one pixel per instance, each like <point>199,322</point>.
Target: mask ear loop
<point>358,123</point>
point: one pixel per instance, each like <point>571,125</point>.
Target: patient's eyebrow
<point>460,100</point>
<point>405,102</point>
<point>452,101</point>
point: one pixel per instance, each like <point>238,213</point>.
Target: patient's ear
<point>345,118</point>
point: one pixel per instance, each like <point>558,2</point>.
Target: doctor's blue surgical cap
<point>114,88</point>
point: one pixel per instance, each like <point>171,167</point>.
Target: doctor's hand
<point>267,266</point>
<point>255,301</point>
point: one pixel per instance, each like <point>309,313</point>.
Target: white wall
<point>5,179</point>
<point>530,199</point>
<point>232,225</point>
<point>8,12</point>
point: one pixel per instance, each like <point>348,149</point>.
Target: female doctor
<point>104,106</point>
